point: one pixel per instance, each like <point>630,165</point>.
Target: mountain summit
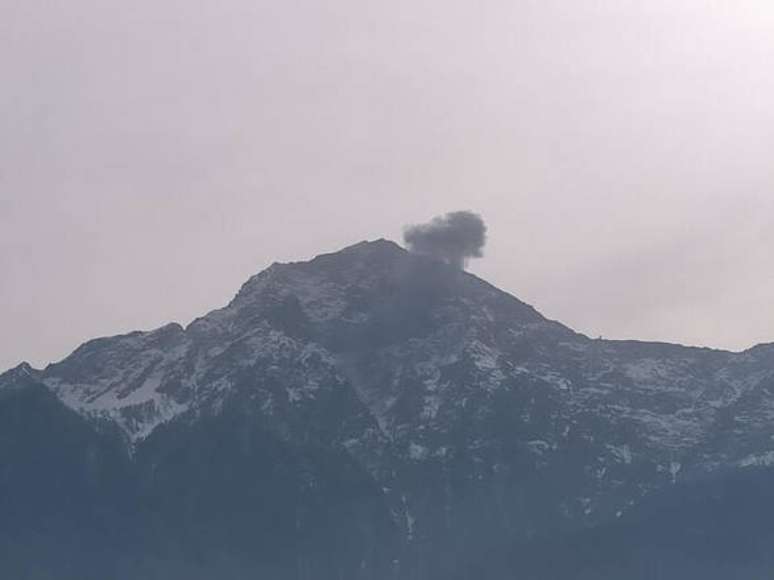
<point>375,414</point>
<point>336,307</point>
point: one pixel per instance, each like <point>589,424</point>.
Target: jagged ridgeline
<point>375,414</point>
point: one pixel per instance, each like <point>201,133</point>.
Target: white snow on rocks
<point>760,460</point>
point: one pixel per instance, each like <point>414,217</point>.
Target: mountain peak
<point>379,244</point>
<point>381,247</point>
<point>371,297</point>
<point>19,376</point>
<point>360,280</point>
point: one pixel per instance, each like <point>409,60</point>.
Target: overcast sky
<point>154,154</point>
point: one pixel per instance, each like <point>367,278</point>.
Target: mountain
<point>373,414</point>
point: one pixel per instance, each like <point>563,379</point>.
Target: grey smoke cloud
<point>454,237</point>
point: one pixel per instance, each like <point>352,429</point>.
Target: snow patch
<point>674,469</point>
<point>432,404</point>
<point>538,446</point>
<point>418,452</point>
<point>759,460</point>
<point>622,453</point>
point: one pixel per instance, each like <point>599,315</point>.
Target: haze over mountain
<point>155,153</point>
<point>375,414</point>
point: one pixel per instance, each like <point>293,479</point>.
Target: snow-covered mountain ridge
<point>411,367</point>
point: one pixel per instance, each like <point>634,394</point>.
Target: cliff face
<point>374,414</point>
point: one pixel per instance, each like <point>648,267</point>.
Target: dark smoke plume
<point>453,237</point>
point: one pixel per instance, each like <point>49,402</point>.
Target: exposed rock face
<point>373,414</point>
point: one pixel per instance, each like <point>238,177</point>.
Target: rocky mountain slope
<point>375,414</point>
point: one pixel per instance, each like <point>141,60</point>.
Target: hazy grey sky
<point>154,154</point>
